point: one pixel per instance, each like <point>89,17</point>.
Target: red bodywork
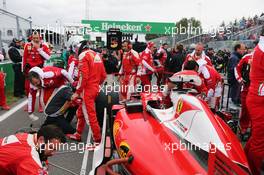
<point>154,146</point>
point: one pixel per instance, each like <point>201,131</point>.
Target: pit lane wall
<point>6,67</point>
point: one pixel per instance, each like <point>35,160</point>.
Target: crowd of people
<point>236,27</point>
<point>73,89</point>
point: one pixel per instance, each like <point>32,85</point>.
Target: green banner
<point>130,27</point>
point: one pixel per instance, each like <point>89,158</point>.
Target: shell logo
<point>124,149</point>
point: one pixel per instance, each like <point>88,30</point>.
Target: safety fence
<point>12,26</point>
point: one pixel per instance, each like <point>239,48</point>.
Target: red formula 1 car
<point>148,136</point>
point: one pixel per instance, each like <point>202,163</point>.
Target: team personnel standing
<point>147,66</point>
<point>72,66</point>
<point>235,57</point>
<point>174,63</point>
<point>92,75</point>
<point>111,65</point>
<point>35,53</point>
<point>162,56</point>
<point>255,100</point>
<point>16,58</point>
<point>197,54</point>
<point>128,71</point>
<point>242,76</point>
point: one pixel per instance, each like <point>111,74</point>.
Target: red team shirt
<point>18,156</point>
<point>35,57</point>
<point>130,62</point>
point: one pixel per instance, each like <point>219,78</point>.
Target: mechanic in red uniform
<point>3,104</point>
<point>255,100</point>
<point>213,82</point>
<point>25,154</point>
<point>92,75</point>
<point>147,66</point>
<point>35,53</point>
<point>72,66</point>
<point>128,71</point>
<point>46,79</point>
<point>197,54</point>
<point>242,75</point>
<point>160,62</point>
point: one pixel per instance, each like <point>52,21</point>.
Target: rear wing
<point>219,164</point>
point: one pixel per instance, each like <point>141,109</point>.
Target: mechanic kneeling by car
<point>58,105</point>
<point>27,154</point>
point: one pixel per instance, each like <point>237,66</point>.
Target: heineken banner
<point>129,27</point>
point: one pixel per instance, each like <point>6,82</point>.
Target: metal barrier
<point>13,26</point>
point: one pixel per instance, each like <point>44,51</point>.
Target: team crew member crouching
<point>58,105</point>
<point>212,80</point>
<point>47,79</point>
<point>25,154</point>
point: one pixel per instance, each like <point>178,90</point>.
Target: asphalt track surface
<point>64,162</point>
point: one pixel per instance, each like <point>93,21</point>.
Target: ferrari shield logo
<point>179,106</point>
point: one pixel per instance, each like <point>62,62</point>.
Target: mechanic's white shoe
<point>33,117</point>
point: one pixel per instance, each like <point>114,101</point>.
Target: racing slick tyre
<point>105,99</point>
